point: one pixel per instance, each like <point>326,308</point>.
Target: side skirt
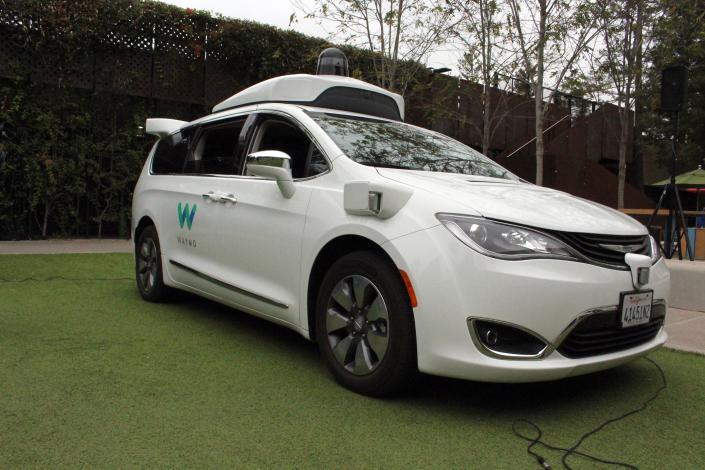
<point>227,285</point>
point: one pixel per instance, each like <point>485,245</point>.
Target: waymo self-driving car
<point>306,200</point>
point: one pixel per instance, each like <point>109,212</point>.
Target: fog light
<point>503,339</point>
<point>491,337</point>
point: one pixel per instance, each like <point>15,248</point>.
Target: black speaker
<point>674,80</point>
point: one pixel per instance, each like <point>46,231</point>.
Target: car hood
<point>520,202</point>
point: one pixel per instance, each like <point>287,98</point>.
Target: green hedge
<point>77,80</point>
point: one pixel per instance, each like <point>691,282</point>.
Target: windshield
<point>392,144</point>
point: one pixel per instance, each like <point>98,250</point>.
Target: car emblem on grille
<point>621,248</point>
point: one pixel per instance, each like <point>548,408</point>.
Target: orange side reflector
<point>409,288</point>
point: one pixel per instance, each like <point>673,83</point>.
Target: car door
<point>173,207</point>
<point>260,234</point>
<point>194,204</point>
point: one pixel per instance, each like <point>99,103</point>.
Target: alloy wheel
<point>357,324</point>
<point>147,264</point>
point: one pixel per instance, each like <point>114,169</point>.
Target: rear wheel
<point>365,325</point>
<point>148,266</point>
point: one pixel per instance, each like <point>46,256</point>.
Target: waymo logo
<point>186,216</point>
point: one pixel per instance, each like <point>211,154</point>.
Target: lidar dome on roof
<point>304,89</point>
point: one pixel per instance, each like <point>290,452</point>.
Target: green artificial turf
<point>92,376</point>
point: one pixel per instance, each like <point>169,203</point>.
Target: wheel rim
<point>147,264</point>
<point>357,325</point>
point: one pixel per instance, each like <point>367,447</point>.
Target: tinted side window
<point>216,150</point>
<point>317,162</point>
<point>170,155</point>
<point>277,134</point>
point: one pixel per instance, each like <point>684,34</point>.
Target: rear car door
<point>169,197</point>
<point>194,203</point>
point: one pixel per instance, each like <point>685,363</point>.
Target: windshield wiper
<point>386,165</point>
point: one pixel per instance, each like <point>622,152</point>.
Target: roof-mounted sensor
<point>332,61</point>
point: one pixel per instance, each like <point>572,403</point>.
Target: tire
<point>148,267</point>
<point>370,349</point>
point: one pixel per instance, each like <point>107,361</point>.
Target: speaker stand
<point>676,228</point>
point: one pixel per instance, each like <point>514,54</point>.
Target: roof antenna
<point>332,61</point>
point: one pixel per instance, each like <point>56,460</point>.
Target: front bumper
<point>453,283</point>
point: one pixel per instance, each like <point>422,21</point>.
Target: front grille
<point>592,246</point>
<point>601,334</point>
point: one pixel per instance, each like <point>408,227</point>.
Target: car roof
<point>328,91</point>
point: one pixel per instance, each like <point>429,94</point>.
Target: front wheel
<point>148,266</point>
<point>365,325</point>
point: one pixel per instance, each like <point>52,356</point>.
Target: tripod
<point>675,223</point>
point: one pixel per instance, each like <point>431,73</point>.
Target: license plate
<point>635,308</point>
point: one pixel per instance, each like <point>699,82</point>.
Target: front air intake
<point>506,341</point>
<point>601,334</point>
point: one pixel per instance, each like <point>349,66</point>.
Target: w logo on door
<point>186,216</point>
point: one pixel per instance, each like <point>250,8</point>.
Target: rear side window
<point>170,155</point>
<point>216,150</point>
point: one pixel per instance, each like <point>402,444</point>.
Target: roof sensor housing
<point>332,61</point>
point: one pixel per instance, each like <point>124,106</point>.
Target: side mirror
<point>274,165</point>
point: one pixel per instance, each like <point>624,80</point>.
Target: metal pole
<point>658,207</point>
<point>675,149</point>
<point>688,249</point>
<point>671,188</point>
<point>676,209</point>
<point>544,131</point>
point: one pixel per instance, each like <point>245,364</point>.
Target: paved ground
<point>687,284</point>
<point>40,247</point>
<point>686,328</point>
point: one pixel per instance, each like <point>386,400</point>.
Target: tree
<point>550,36</point>
<point>480,31</point>
<point>676,41</point>
<point>402,32</point>
<point>623,32</point>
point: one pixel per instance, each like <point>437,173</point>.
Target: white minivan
<point>307,201</point>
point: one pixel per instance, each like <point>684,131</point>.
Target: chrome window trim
<point>551,346</point>
<point>243,177</point>
<point>230,286</point>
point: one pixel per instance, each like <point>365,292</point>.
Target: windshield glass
<point>392,144</point>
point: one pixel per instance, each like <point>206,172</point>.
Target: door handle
<point>211,196</point>
<point>222,198</point>
<point>228,198</point>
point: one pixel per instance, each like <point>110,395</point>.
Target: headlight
<point>502,240</point>
<point>655,250</point>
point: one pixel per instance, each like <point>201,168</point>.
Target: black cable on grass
<point>64,278</point>
<point>573,450</point>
